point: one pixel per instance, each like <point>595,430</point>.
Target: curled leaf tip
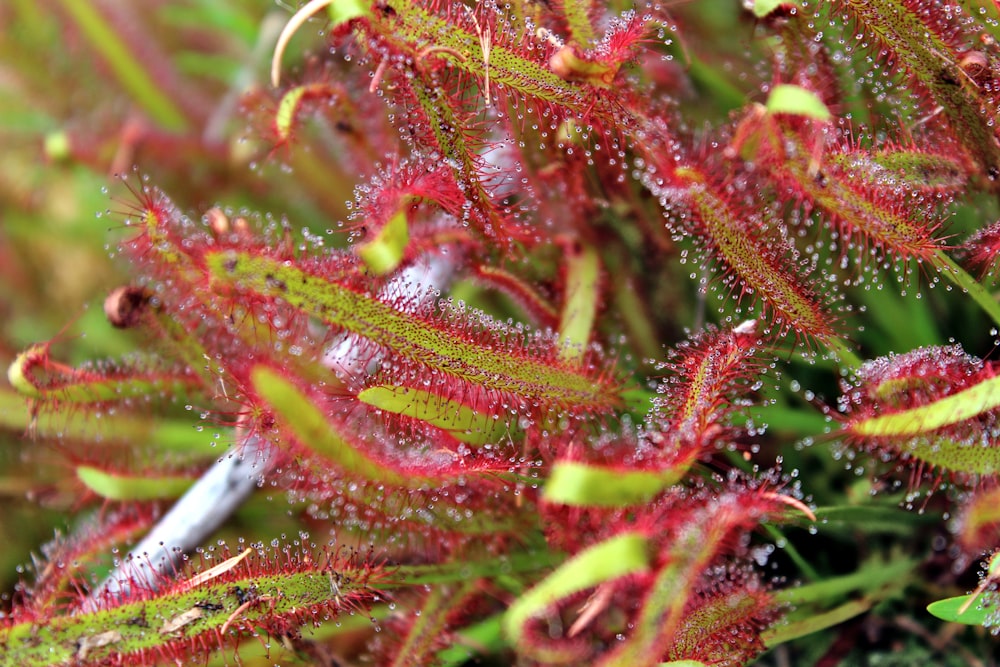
<point>293,25</point>
<point>17,372</point>
<point>798,101</point>
<point>791,502</point>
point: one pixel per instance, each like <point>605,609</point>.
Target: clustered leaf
<point>537,484</point>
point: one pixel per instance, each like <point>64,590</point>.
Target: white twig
<point>197,514</point>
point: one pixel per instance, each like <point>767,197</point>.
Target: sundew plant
<point>539,332</point>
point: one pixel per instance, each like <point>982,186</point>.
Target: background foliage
<point>179,89</point>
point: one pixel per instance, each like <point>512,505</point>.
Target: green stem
<point>431,623</point>
<point>461,570</point>
<point>583,268</point>
<point>808,571</point>
<point>125,66</point>
<point>484,637</point>
<point>845,355</point>
<point>956,274</point>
